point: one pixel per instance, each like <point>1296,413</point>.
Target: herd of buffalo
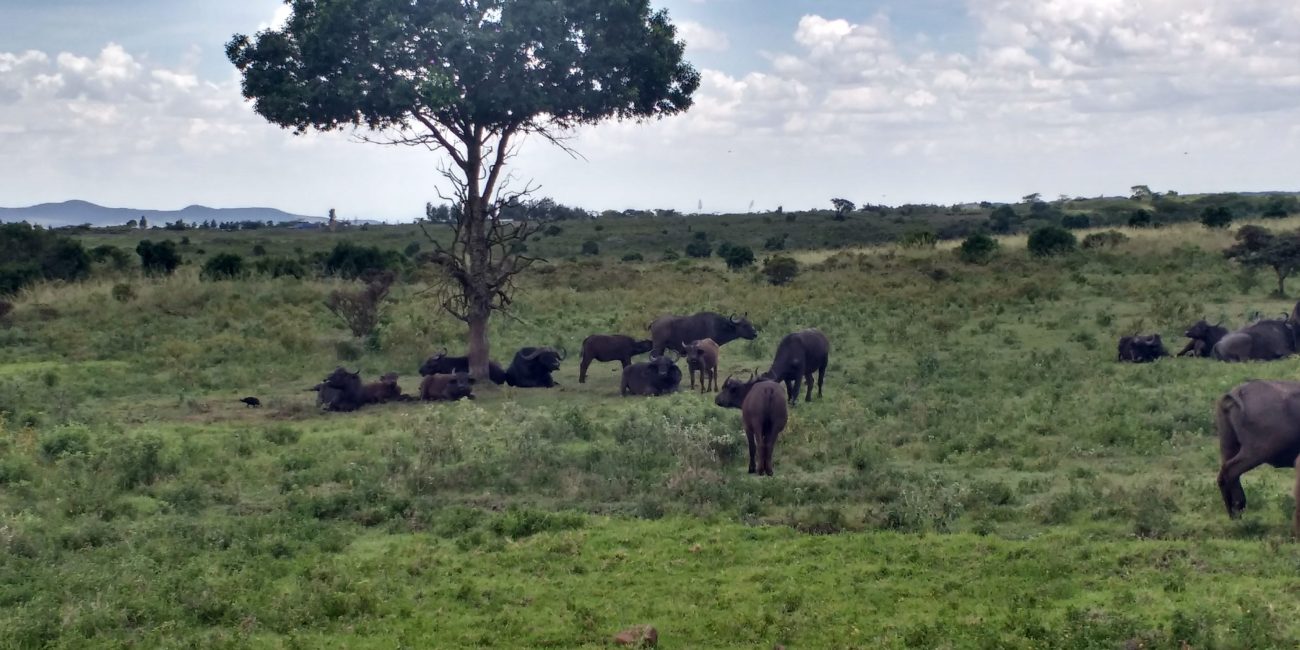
<point>761,398</point>
<point>1257,422</point>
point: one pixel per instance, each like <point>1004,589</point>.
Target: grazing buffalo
<point>797,357</point>
<point>1141,348</point>
<point>252,402</point>
<point>672,331</point>
<point>441,364</point>
<point>658,376</point>
<point>384,390</point>
<point>341,391</point>
<point>1203,337</point>
<point>1263,341</point>
<point>1258,422</point>
<point>702,356</point>
<point>762,412</point>
<point>532,367</point>
<point>447,387</point>
<point>610,347</point>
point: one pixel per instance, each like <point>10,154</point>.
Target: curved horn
<point>729,377</point>
<point>533,355</point>
<point>732,317</point>
<point>564,353</point>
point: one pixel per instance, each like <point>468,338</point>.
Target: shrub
<point>1051,240</point>
<point>699,247</point>
<point>158,258</point>
<point>670,256</point>
<point>775,243</point>
<point>590,247</point>
<point>360,309</point>
<point>977,249</point>
<point>350,261</point>
<point>259,250</point>
<point>412,249</point>
<point>123,292</point>
<point>113,257</point>
<point>225,266</point>
<point>28,254</point>
<point>552,230</point>
<point>1106,239</point>
<point>1216,217</point>
<point>1003,219</point>
<point>736,257</point>
<point>780,269</point>
<point>1139,219</point>
<point>278,267</point>
<point>918,238</point>
<point>1076,221</point>
<point>632,257</point>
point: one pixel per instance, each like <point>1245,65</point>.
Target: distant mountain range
<point>75,213</point>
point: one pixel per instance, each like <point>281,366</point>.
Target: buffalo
<point>658,376</point>
<point>532,367</point>
<point>341,391</point>
<point>1203,337</point>
<point>447,387</point>
<point>797,356</point>
<point>763,413</point>
<point>384,390</point>
<point>441,364</point>
<point>1141,348</point>
<point>673,331</point>
<point>1257,422</point>
<point>610,347</point>
<point>702,356</point>
<point>1265,340</point>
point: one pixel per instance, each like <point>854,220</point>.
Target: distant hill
<point>73,213</point>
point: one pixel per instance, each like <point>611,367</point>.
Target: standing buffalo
<point>762,412</point>
<point>1258,422</point>
<point>1141,348</point>
<point>441,364</point>
<point>447,387</point>
<point>1203,337</point>
<point>1263,341</point>
<point>341,391</point>
<point>658,376</point>
<point>672,331</point>
<point>610,347</point>
<point>532,367</point>
<point>797,357</point>
<point>702,356</point>
<point>384,390</point>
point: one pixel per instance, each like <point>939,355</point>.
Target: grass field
<point>980,474</point>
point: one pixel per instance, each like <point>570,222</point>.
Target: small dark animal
<point>447,388</point>
<point>798,356</point>
<point>610,347</point>
<point>1203,338</point>
<point>672,331</point>
<point>1141,348</point>
<point>341,391</point>
<point>1258,422</point>
<point>384,390</point>
<point>532,367</point>
<point>658,376</point>
<point>763,413</point>
<point>702,356</point>
<point>441,364</point>
<point>252,402</point>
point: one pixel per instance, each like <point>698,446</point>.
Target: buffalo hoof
<point>752,471</point>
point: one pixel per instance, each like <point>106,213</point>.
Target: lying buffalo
<point>762,412</point>
<point>1203,337</point>
<point>702,357</point>
<point>447,387</point>
<point>441,364</point>
<point>384,390</point>
<point>610,347</point>
<point>1141,348</point>
<point>798,356</point>
<point>658,376</point>
<point>1263,341</point>
<point>532,367</point>
<point>672,332</point>
<point>341,391</point>
<point>1258,422</point>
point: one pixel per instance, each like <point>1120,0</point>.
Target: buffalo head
<point>431,365</point>
<point>1201,329</point>
<point>744,329</point>
<point>549,358</point>
<point>733,392</point>
<point>341,379</point>
<point>642,347</point>
<point>662,366</point>
<point>460,385</point>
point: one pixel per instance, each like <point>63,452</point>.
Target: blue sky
<point>133,103</point>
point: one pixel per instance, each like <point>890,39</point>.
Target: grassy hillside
<point>980,474</point>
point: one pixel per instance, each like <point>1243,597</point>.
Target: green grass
<point>981,473</point>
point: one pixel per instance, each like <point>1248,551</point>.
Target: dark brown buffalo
<point>384,390</point>
<point>441,364</point>
<point>671,332</point>
<point>1258,422</point>
<point>1141,348</point>
<point>1203,337</point>
<point>763,413</point>
<point>447,387</point>
<point>658,376</point>
<point>798,356</point>
<point>532,367</point>
<point>702,357</point>
<point>341,391</point>
<point>610,347</point>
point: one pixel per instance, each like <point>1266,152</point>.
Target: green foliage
<point>590,247</point>
<point>1104,239</point>
<point>1003,219</point>
<point>1258,247</point>
<point>158,258</point>
<point>259,250</point>
<point>412,249</point>
<point>112,258</point>
<point>843,207</point>
<point>736,257</point>
<point>633,257</point>
<point>977,249</point>
<point>123,292</point>
<point>1051,240</point>
<point>670,256</point>
<point>1216,217</point>
<point>1076,221</point>
<point>280,267</point>
<point>699,248</point>
<point>780,269</point>
<point>350,261</point>
<point>775,243</point>
<point>29,254</point>
<point>1140,219</point>
<point>919,238</point>
<point>224,266</point>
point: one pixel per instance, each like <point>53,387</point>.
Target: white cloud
<point>699,37</point>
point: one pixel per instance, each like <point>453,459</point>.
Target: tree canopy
<point>1259,247</point>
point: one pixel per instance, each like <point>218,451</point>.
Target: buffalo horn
<point>564,353</point>
<point>533,354</point>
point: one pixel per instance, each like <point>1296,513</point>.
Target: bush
<point>1139,219</point>
<point>412,249</point>
<point>1216,217</point>
<point>977,249</point>
<point>780,269</point>
<point>158,258</point>
<point>123,292</point>
<point>259,250</point>
<point>113,257</point>
<point>736,257</point>
<point>1106,239</point>
<point>552,230</point>
<point>350,261</point>
<point>699,247</point>
<point>225,266</point>
<point>918,238</point>
<point>670,256</point>
<point>775,243</point>
<point>632,257</point>
<point>1003,219</point>
<point>278,267</point>
<point>1076,221</point>
<point>29,254</point>
<point>360,310</point>
<point>1051,240</point>
<point>590,247</point>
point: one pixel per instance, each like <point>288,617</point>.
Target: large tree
<point>468,78</point>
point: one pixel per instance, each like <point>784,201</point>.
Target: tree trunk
<point>1281,279</point>
<point>479,348</point>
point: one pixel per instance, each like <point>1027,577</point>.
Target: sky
<point>133,104</point>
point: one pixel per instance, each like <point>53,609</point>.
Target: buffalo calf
<point>702,356</point>
<point>1141,348</point>
<point>763,412</point>
<point>447,388</point>
<point>610,347</point>
<point>384,390</point>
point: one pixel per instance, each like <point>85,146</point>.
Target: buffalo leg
<point>749,436</point>
<point>769,444</point>
<point>582,370</point>
<point>793,389</point>
<point>713,378</point>
<point>1234,496</point>
<point>821,376</point>
<point>808,378</point>
<point>691,371</point>
<point>1295,526</point>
